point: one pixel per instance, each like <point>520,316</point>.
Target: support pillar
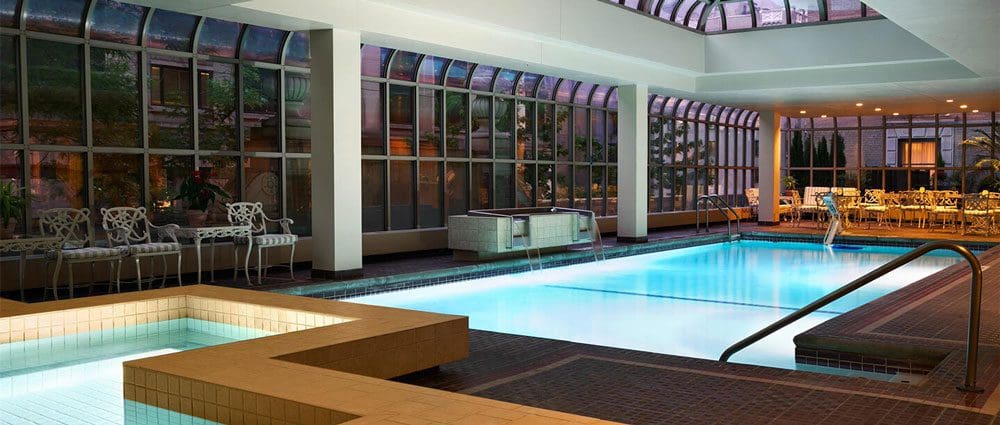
<point>336,153</point>
<point>769,167</point>
<point>633,139</point>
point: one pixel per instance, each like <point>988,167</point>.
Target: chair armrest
<point>169,230</point>
<point>283,222</point>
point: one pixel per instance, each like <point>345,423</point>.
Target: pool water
<point>77,379</point>
<point>691,302</point>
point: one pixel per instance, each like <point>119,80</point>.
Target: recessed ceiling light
<point>878,109</point>
<point>802,112</point>
<point>822,116</point>
<point>950,100</point>
<point>895,114</point>
<point>963,106</point>
<point>975,111</point>
<point>948,114</point>
<point>859,104</point>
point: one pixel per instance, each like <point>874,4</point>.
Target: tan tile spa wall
<point>325,363</point>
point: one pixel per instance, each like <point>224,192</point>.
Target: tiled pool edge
<point>369,286</point>
<point>325,374</point>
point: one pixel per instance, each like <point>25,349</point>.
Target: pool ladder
<point>719,203</point>
<point>975,301</point>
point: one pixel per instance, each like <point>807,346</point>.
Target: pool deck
<point>639,387</point>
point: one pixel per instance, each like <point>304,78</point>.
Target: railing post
<point>972,344</point>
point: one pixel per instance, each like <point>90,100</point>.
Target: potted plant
<point>12,203</point>
<point>198,194</point>
<point>988,142</point>
<point>790,184</point>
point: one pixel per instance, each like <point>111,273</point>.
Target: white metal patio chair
<point>252,213</point>
<point>129,229</point>
<point>73,226</point>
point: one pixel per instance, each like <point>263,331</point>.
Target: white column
<point>336,152</point>
<point>633,127</point>
<point>769,167</point>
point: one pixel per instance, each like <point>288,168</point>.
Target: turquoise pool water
<point>691,302</point>
<point>77,379</point>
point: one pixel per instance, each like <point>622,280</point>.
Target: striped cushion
<point>274,240</point>
<point>153,248</point>
<point>92,253</point>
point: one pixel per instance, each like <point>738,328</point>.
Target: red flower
<point>197,176</point>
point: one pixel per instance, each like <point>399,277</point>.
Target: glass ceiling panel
<point>373,60</point>
<point>219,38</point>
<point>680,110</point>
<point>565,90</point>
<point>714,21</point>
<point>871,12</point>
<point>482,77</point>
<point>770,13</point>
<point>298,53</point>
<point>683,9</point>
<point>171,30</point>
<point>669,106</point>
<point>656,106</point>
<point>404,65</point>
<point>116,22</point>
<point>526,85</point>
<point>458,73</point>
<point>613,99</point>
<point>431,70</point>
<point>804,11</point>
<point>843,9</point>
<point>737,15</point>
<point>666,8</point>
<point>693,110</point>
<point>582,96</point>
<point>631,4</point>
<point>505,81</point>
<point>546,88</point>
<point>8,10</point>
<point>600,96</point>
<point>55,16</point>
<point>262,44</point>
<point>695,15</point>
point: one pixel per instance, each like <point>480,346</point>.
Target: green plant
<point>790,182</point>
<point>988,141</point>
<point>198,193</point>
<point>12,202</point>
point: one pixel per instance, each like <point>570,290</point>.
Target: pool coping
<point>327,370</point>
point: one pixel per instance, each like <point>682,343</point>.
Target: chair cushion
<point>91,253</point>
<point>274,240</point>
<point>876,208</point>
<point>154,248</point>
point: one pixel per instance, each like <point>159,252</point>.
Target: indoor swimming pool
<point>690,302</point>
<point>77,379</point>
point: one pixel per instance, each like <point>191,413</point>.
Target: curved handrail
<point>972,348</point>
<point>715,201</point>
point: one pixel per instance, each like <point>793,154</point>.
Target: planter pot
<point>197,218</point>
<point>9,231</point>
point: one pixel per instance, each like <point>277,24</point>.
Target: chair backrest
<point>132,221</point>
<point>975,202</point>
<point>71,224</point>
<point>874,196</point>
<point>243,213</point>
<point>946,198</point>
<point>811,192</point>
<point>891,200</point>
<point>753,196</point>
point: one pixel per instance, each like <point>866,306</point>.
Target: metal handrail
<point>972,347</point>
<point>715,201</point>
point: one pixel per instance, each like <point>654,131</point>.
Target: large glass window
<point>117,180</point>
<point>431,200</point>
<point>170,100</point>
<point>373,196</point>
<point>166,174</point>
<point>298,193</point>
<point>217,122</point>
<point>372,118</point>
<point>262,178</point>
<point>116,22</point>
<point>260,109</point>
<point>9,106</point>
<point>55,16</point>
<point>57,180</point>
<point>401,120</point>
<point>55,99</point>
<point>402,194</point>
<point>115,98</point>
<point>298,116</point>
